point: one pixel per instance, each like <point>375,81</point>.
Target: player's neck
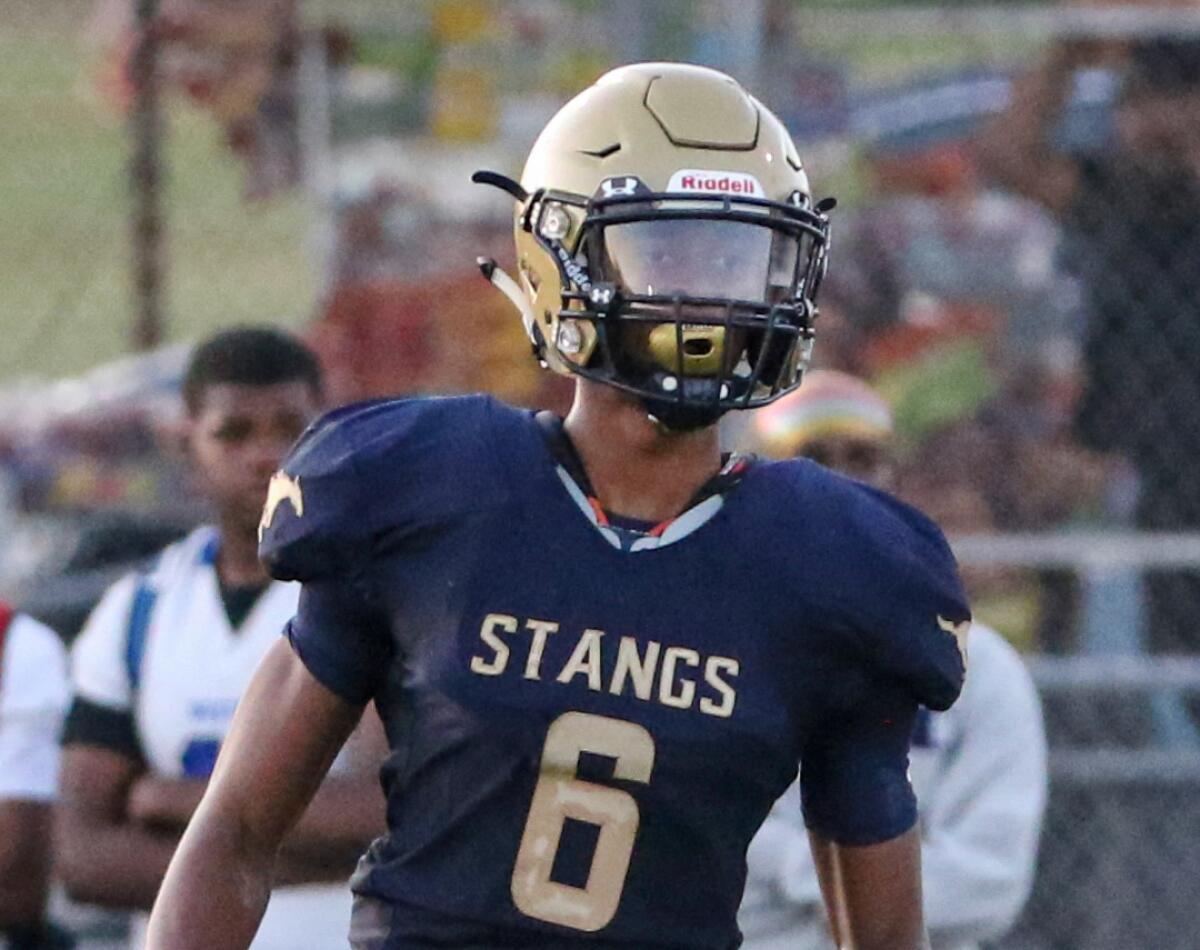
<point>237,560</point>
<point>637,468</point>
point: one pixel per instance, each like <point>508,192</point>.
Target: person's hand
<point>162,802</point>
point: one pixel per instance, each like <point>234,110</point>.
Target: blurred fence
<point>1027,185</point>
<point>1118,866</point>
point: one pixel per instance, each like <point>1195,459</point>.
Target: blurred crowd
<point>1034,347</point>
<point>1018,289</point>
<point>1015,280</point>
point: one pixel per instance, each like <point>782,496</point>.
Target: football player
<point>33,698</point>
<point>165,656</point>
<point>600,648</point>
<point>978,769</point>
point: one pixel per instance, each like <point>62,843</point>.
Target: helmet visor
<point>701,257</point>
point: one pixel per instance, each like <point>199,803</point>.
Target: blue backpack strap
<point>140,610</point>
<point>208,553</point>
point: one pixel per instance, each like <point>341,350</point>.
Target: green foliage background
<point>64,268</point>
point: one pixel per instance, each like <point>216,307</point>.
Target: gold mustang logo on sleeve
<point>959,631</point>
<point>282,488</point>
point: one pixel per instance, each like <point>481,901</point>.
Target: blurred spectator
<point>979,769</point>
<point>163,659</point>
<point>1131,214</point>
<point>835,420</point>
<point>950,300</point>
<point>33,698</point>
<point>397,320</point>
<point>934,255</point>
<point>1009,466</point>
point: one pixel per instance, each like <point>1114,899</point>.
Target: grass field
<point>65,301</point>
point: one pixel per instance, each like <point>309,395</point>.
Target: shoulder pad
<point>370,468</point>
<point>917,620</point>
<point>891,580</point>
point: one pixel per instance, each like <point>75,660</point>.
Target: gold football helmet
<point>667,243</point>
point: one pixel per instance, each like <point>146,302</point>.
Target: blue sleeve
<point>315,523</point>
<point>342,638</point>
<point>363,477</point>
<point>854,771</point>
<point>914,620</point>
<point>391,468</point>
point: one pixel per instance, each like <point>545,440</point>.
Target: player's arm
<point>872,892</point>
<point>28,746</point>
<point>104,855</point>
<point>861,815</point>
<point>24,862</point>
<point>984,818</point>
<point>287,730</point>
<point>138,819</point>
<point>344,816</point>
<point>906,643</point>
<point>302,703</point>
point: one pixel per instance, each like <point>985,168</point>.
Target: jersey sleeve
<point>854,769</point>
<point>341,637</point>
<point>29,756</point>
<point>101,711</point>
<point>906,602</point>
<point>33,670</point>
<point>384,469</point>
<point>363,478</point>
<point>33,698</point>
<point>99,672</point>
<point>311,523</point>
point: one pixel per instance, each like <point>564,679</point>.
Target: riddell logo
<point>715,183</point>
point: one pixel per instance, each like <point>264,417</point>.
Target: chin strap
<point>671,417</point>
<point>499,279</point>
<point>676,416</point>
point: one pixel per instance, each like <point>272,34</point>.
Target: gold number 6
<point>560,795</point>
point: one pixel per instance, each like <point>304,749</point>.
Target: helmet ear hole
<point>538,343</point>
<point>531,275</point>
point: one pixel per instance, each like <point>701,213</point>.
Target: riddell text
<point>725,185</point>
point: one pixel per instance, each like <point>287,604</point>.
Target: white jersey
<point>979,773</point>
<point>160,646</point>
<point>34,694</point>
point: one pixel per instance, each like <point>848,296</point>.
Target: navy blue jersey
<point>586,733</point>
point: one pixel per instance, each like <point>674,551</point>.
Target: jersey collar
<point>627,534</point>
